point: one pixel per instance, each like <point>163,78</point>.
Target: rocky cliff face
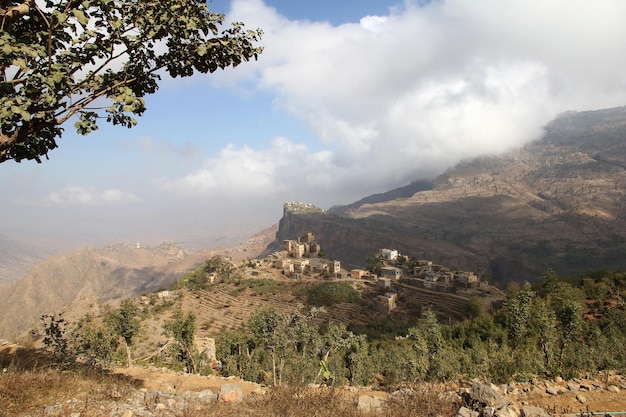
<point>557,203</point>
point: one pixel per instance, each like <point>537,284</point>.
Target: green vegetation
<point>257,286</point>
<point>124,323</point>
<point>277,348</point>
<point>92,342</point>
<point>95,60</point>
<point>541,330</point>
<point>556,327</point>
<point>388,328</point>
<point>182,328</point>
<point>330,293</point>
<point>199,278</point>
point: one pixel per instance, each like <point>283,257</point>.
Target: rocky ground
<point>152,392</point>
<point>167,393</point>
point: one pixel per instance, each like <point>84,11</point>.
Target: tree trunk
<point>274,366</point>
<point>128,358</point>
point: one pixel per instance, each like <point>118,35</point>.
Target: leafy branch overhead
<point>98,59</point>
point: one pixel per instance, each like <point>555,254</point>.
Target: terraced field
<point>218,309</point>
<point>228,306</point>
<point>445,305</point>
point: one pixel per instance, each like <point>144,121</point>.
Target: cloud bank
<point>404,96</point>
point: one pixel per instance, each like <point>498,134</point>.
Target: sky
<point>348,99</point>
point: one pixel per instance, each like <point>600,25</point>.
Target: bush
<point>330,293</point>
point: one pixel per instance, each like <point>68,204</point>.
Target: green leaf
<point>61,17</point>
<point>80,16</point>
<point>20,62</point>
<point>116,23</point>
<point>57,77</point>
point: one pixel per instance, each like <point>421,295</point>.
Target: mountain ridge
<point>558,202</point>
<point>110,273</point>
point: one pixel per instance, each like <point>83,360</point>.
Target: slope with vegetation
<point>276,329</point>
<point>288,333</point>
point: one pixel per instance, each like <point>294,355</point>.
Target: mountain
<point>559,202</point>
<point>109,274</point>
<point>18,256</point>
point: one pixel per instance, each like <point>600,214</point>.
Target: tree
<point>125,324</point>
<point>427,335</point>
<point>268,329</point>
<point>518,310</point>
<point>97,59</point>
<point>55,337</point>
<point>97,344</point>
<point>374,265</point>
<point>545,325</point>
<point>183,329</point>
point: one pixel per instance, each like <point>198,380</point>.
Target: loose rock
<point>230,393</point>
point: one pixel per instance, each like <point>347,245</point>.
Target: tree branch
<point>13,13</point>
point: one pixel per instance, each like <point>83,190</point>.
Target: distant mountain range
<point>17,257</point>
<point>559,202</point>
<point>110,274</point>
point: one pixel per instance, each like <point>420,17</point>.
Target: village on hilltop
<point>303,258</point>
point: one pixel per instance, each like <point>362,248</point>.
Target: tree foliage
<point>98,59</point>
<point>124,323</point>
<point>55,338</point>
<point>329,293</point>
<point>183,329</point>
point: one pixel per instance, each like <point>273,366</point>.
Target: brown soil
<point>164,380</point>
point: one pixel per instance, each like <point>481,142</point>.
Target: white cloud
<point>250,173</point>
<point>403,96</point>
<point>87,196</point>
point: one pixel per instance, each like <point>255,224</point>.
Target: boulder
<point>466,412</point>
<point>487,395</point>
<point>573,386</point>
<point>207,395</point>
<point>370,404</point>
<point>230,393</point>
<point>510,410</point>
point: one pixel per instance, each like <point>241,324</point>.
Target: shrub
<point>330,293</point>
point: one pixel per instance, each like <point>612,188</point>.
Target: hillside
<point>109,273</point>
<point>17,257</point>
<point>238,289</point>
<point>559,202</point>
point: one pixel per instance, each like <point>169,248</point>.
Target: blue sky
<point>348,99</point>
